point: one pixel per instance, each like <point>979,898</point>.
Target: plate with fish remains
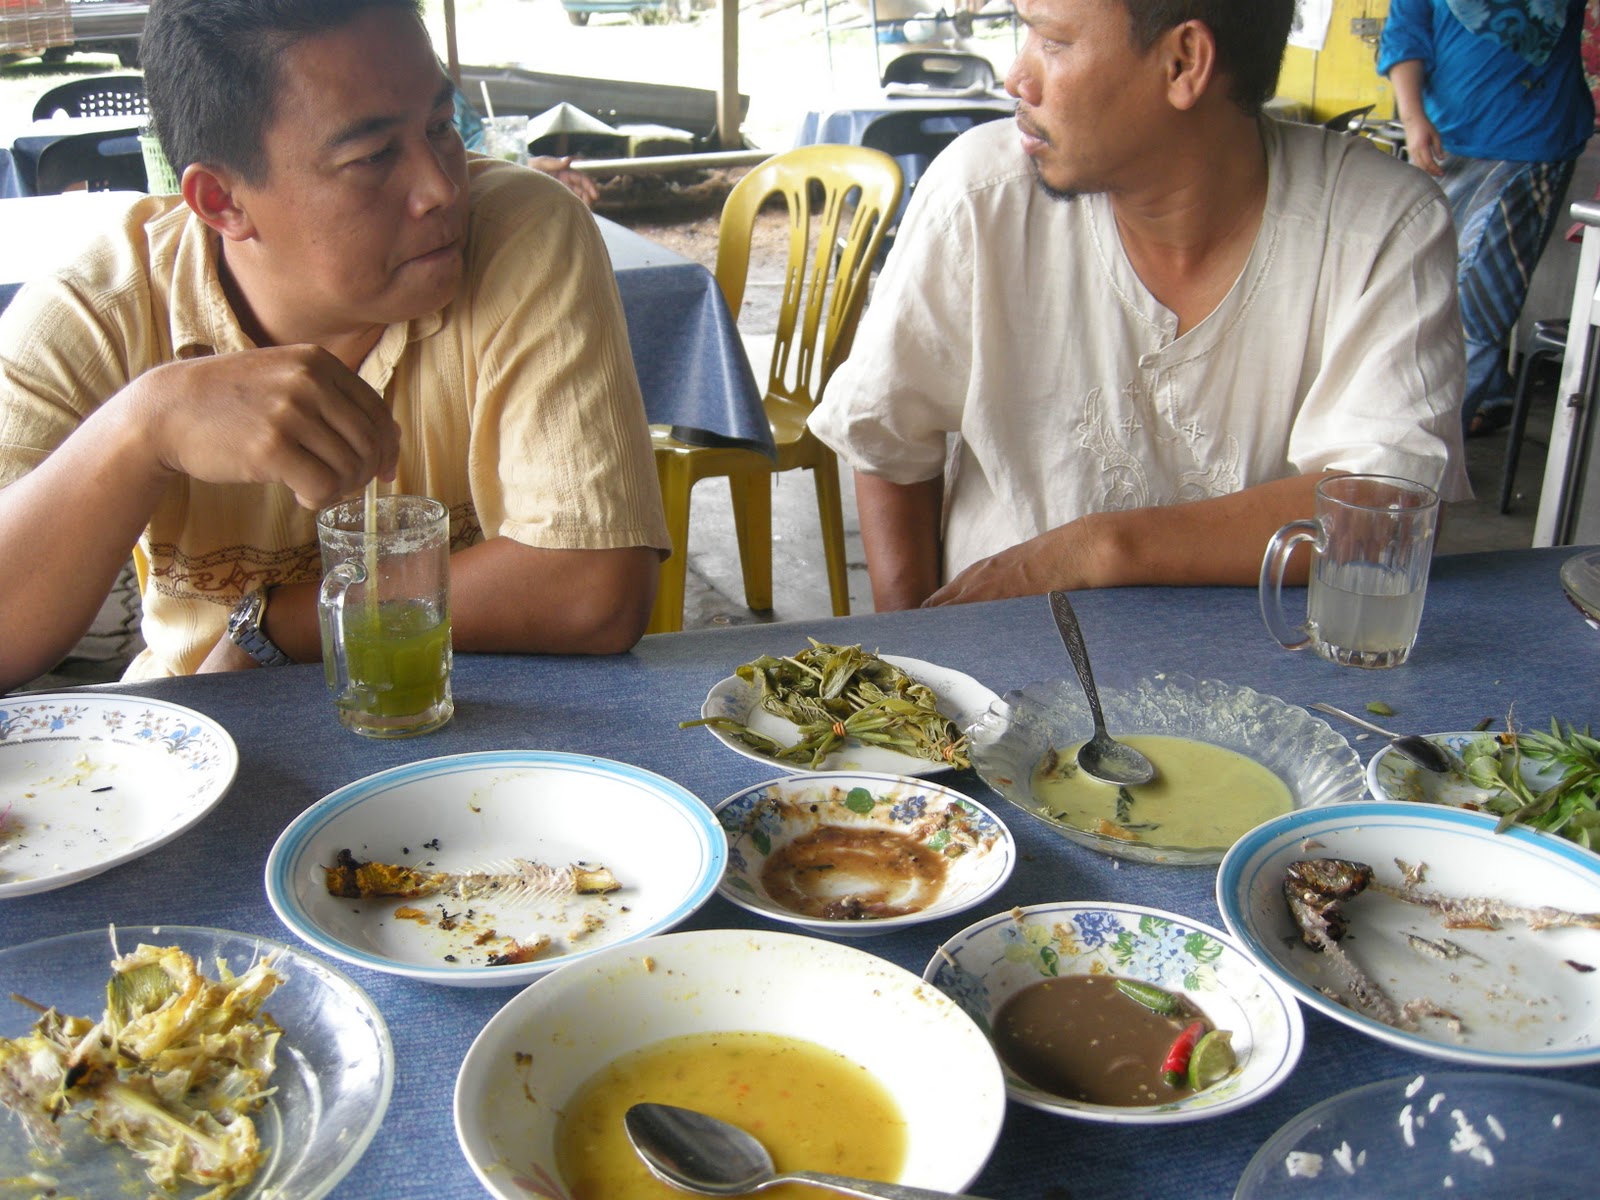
<point>960,698</point>
<point>90,781</point>
<point>1466,945</point>
<point>490,869</point>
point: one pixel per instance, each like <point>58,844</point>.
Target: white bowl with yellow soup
<point>725,1021</point>
<point>1227,758</point>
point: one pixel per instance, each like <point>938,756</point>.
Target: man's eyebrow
<point>369,126</point>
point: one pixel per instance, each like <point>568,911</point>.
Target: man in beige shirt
<point>338,294</point>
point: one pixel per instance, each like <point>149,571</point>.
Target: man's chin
<point>1055,193</point>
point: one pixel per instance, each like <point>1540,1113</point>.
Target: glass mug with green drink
<point>1372,543</point>
<point>385,614</point>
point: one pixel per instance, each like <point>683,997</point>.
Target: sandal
<point>1491,418</point>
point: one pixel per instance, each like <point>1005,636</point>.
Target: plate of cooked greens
<point>1549,782</point>
<point>842,708</point>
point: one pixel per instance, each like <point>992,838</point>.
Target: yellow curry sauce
<point>1202,795</point>
<point>812,1108</point>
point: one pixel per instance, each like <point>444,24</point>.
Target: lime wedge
<point>1213,1059</point>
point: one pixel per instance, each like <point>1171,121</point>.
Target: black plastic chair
<point>1349,122</point>
<point>1548,340</point>
<point>914,138</point>
<point>101,162</point>
<point>97,96</point>
<point>954,69</point>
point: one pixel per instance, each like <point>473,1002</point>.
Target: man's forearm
<point>1406,78</point>
<point>66,529</point>
<point>900,534</point>
<point>1206,542</point>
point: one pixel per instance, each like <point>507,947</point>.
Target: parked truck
<point>53,29</point>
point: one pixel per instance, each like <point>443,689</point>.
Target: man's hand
<point>226,656</point>
<point>1026,569</point>
<point>293,415</point>
<point>576,182</point>
<point>1423,145</point>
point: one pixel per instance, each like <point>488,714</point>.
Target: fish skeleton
<point>520,881</point>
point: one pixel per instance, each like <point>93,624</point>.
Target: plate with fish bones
<point>491,869</point>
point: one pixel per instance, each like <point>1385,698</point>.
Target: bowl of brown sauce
<point>855,853</point>
<point>1120,1013</point>
<point>1227,758</point>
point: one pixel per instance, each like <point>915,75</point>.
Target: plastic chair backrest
<point>97,96</point>
<point>940,68</point>
<point>825,279</point>
<point>79,159</point>
<point>1348,122</point>
<point>916,137</point>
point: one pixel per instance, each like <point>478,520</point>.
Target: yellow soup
<point>1202,795</point>
<point>813,1109</point>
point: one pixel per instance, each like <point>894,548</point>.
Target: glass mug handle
<point>1273,565</point>
<point>330,618</point>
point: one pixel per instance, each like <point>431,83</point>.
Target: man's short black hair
<point>1251,36</point>
<point>211,71</point>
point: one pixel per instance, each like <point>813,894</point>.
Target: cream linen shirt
<point>1010,344</point>
<point>517,403</point>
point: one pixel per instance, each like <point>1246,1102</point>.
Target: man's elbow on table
<point>512,599</point>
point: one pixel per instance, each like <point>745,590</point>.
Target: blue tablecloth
<point>692,366</point>
<point>1497,631</point>
<point>844,123</point>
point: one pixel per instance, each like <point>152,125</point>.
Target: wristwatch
<point>246,631</point>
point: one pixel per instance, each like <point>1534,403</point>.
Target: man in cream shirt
<point>1120,340</point>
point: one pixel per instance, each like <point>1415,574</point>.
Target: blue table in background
<point>19,161</point>
<point>843,123</point>
<point>691,363</point>
<point>1497,632</point>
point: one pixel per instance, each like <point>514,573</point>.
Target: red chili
<point>1176,1069</point>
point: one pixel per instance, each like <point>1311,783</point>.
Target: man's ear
<point>1189,53</point>
<point>210,194</point>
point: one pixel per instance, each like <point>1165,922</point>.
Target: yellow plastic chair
<point>823,295</point>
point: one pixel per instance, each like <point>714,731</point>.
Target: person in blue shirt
<point>1493,100</point>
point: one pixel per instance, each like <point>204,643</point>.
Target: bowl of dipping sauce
<point>897,1085</point>
<point>1090,1005</point>
<point>853,854</point>
<point>1227,758</point>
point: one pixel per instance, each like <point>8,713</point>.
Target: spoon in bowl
<point>1417,748</point>
<point>698,1153</point>
<point>1102,757</point>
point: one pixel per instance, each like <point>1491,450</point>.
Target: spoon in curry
<point>698,1153</point>
<point>1102,757</point>
<point>1414,746</point>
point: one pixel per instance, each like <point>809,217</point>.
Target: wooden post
<point>728,133</point>
<point>452,57</point>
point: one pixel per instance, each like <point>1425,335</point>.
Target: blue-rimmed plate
<point>986,964</point>
<point>477,814</point>
<point>1516,997</point>
<point>88,781</point>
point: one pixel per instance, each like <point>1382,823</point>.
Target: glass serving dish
<point>1580,580</point>
<point>1009,741</point>
<point>334,1073</point>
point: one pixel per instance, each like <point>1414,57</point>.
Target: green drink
<point>384,609</point>
<point>399,656</point>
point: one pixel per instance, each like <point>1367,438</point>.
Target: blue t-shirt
<point>1485,100</point>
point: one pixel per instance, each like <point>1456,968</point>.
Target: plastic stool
<point>1549,341</point>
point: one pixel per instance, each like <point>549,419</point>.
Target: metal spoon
<point>1102,757</point>
<point>701,1154</point>
<point>1414,746</point>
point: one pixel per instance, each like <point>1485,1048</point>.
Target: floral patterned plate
<point>986,964</point>
<point>860,827</point>
<point>88,781</point>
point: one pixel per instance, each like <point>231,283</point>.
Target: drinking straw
<point>488,105</point>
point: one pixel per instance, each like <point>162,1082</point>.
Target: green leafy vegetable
<point>835,694</point>
<point>1569,806</point>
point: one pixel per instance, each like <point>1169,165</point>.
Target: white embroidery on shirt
<point>1123,476</point>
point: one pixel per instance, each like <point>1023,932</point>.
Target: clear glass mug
<point>507,138</point>
<point>385,615</point>
<point>1372,543</point>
